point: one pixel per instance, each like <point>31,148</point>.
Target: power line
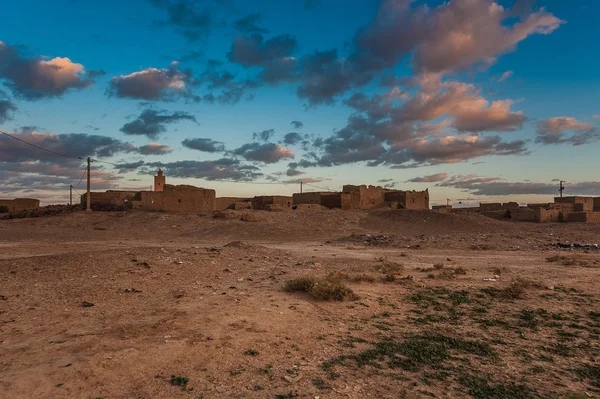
<point>82,177</point>
<point>38,147</point>
<point>312,185</point>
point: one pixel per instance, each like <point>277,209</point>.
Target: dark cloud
<point>204,144</point>
<point>7,108</point>
<point>224,169</point>
<point>152,123</point>
<point>297,124</point>
<point>429,179</point>
<point>552,131</point>
<point>255,51</point>
<point>155,149</point>
<point>128,166</point>
<point>153,84</point>
<point>223,87</point>
<point>186,18</point>
<point>37,77</point>
<point>496,186</point>
<point>265,153</point>
<point>292,138</point>
<point>72,145</point>
<point>265,135</point>
<point>250,24</point>
<point>192,56</point>
<point>293,172</point>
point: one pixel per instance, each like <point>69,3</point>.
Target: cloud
<point>152,123</point>
<point>255,51</point>
<point>222,85</point>
<point>154,149</point>
<point>429,179</point>
<point>449,37</point>
<point>265,135</point>
<point>153,84</point>
<point>265,153</point>
<point>496,186</point>
<point>293,172</point>
<point>306,180</point>
<point>597,117</point>
<point>293,138</point>
<point>471,112</point>
<point>300,125</point>
<point>220,169</point>
<point>72,145</point>
<point>185,18</point>
<point>552,131</point>
<point>6,109</point>
<point>204,144</point>
<point>35,78</point>
<point>505,76</point>
<point>250,24</point>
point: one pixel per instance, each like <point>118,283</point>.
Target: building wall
<point>588,202</point>
<point>333,200</point>
<point>490,207</point>
<point>181,198</point>
<point>523,214</point>
<point>596,204</point>
<point>584,217</point>
<point>417,200</point>
<point>223,203</point>
<point>110,197</point>
<point>365,197</point>
<point>510,205</point>
<point>261,202</point>
<point>20,204</point>
<point>408,199</point>
<point>543,215</point>
<point>307,198</point>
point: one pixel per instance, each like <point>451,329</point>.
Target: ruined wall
<point>110,197</point>
<point>584,217</point>
<point>181,198</point>
<point>261,202</point>
<point>543,215</point>
<point>417,200</point>
<point>523,214</point>
<point>20,204</point>
<point>596,204</point>
<point>490,207</point>
<point>365,197</point>
<point>332,200</point>
<point>510,205</point>
<point>408,199</point>
<point>223,203</point>
<point>307,198</point>
<point>588,202</point>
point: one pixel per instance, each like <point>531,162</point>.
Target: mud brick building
<point>20,204</point>
<point>182,198</point>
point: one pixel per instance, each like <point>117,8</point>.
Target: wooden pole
<point>70,194</point>
<point>300,187</point>
<point>89,195</point>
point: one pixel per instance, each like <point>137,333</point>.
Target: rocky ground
<point>379,304</point>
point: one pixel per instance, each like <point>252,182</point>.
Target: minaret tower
<point>159,181</point>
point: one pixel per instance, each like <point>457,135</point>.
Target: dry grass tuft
<point>330,288</point>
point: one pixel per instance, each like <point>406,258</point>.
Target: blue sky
<point>474,99</point>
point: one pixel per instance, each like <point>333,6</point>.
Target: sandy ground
<point>155,305</point>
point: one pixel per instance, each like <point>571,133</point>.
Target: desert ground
<point>298,304</point>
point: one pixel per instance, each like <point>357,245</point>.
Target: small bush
<point>438,266</point>
<point>4,209</point>
<point>251,352</point>
<point>389,267</point>
<point>179,381</point>
<point>330,288</point>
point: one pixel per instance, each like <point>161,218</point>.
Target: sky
<point>475,100</point>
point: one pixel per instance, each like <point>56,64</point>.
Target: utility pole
<point>89,195</point>
<point>300,187</point>
<point>447,201</point>
<point>70,194</point>
<point>561,187</point>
